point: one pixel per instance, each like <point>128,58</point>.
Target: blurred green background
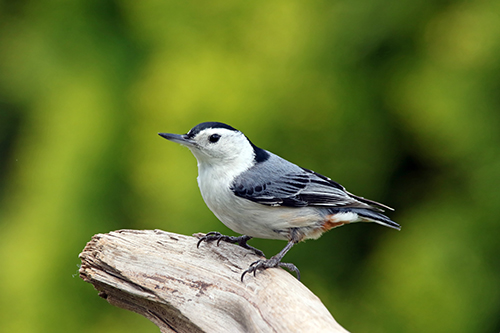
<point>398,101</point>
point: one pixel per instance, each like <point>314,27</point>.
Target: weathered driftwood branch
<point>164,277</point>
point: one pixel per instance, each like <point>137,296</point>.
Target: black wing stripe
<point>296,185</point>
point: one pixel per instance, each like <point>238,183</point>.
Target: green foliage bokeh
<point>397,101</point>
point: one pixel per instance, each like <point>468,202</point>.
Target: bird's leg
<point>240,240</point>
<point>275,261</point>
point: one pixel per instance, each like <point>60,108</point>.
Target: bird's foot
<point>270,263</point>
<point>240,240</point>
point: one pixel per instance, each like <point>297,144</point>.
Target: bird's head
<point>214,143</point>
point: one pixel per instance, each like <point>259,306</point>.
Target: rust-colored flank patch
<point>331,222</point>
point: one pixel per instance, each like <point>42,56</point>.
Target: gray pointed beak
<point>178,138</point>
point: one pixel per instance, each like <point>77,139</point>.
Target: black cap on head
<point>210,124</point>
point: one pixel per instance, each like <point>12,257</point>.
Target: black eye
<point>214,138</point>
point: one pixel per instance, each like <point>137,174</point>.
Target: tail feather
<point>378,218</point>
<point>368,216</point>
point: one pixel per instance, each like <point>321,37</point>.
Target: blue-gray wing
<point>281,183</point>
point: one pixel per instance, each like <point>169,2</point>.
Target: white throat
<point>222,171</point>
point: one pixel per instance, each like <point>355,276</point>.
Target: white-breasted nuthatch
<point>259,194</point>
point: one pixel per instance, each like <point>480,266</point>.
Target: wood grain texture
<point>181,288</point>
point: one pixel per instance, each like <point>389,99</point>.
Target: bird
<point>258,194</point>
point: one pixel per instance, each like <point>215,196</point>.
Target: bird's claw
<point>270,263</point>
<point>241,241</point>
<point>210,237</point>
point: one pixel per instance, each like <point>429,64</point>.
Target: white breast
<point>246,217</point>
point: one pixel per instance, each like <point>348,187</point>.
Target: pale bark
<point>182,288</point>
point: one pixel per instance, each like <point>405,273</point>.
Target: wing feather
<point>288,185</point>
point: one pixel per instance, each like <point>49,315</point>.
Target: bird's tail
<point>372,216</point>
<point>368,215</point>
